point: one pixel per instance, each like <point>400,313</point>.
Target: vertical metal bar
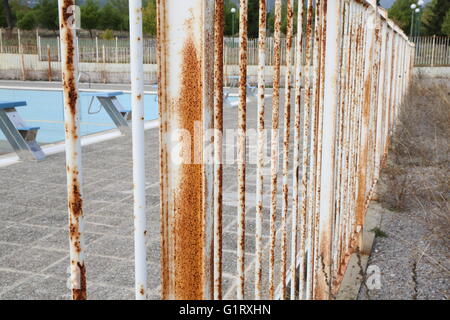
<point>186,91</point>
<point>137,105</point>
<point>342,129</point>
<point>319,92</point>
<point>73,150</point>
<point>22,62</point>
<point>275,146</point>
<point>96,50</point>
<point>38,44</point>
<point>218,134</point>
<point>331,77</point>
<point>296,166</point>
<point>287,124</point>
<point>116,51</point>
<point>1,40</point>
<point>58,47</point>
<point>313,151</point>
<point>19,41</point>
<point>362,166</point>
<point>381,102</point>
<point>49,58</point>
<point>261,148</point>
<point>242,131</point>
<point>305,141</point>
<point>433,50</point>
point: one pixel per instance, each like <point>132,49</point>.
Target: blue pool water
<point>45,110</point>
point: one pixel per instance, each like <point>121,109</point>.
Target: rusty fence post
<point>242,148</point>
<point>218,140</point>
<point>137,105</point>
<point>327,177</point>
<point>260,149</point>
<point>186,100</point>
<point>286,142</point>
<point>69,66</point>
<point>275,145</point>
<point>305,140</point>
<point>364,134</point>
<point>296,221</point>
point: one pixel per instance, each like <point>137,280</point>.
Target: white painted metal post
<point>19,41</point>
<point>58,47</point>
<point>38,43</point>
<point>96,49</point>
<point>433,50</point>
<point>117,50</point>
<point>333,23</point>
<point>1,40</point>
<point>295,224</point>
<point>137,105</point>
<point>69,67</point>
<point>381,101</point>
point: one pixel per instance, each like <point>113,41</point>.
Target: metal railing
<point>344,100</point>
<point>432,51</point>
<point>117,50</point>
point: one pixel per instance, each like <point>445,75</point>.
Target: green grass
<point>379,233</point>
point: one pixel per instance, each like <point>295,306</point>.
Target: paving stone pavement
<point>34,242</point>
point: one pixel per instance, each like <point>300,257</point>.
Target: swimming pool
<point>45,110</point>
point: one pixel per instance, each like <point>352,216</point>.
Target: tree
<point>27,20</point>
<point>110,18</point>
<point>47,14</point>
<point>90,14</point>
<point>2,18</point>
<point>122,8</point>
<point>149,18</point>
<point>8,14</point>
<point>401,13</point>
<point>253,18</point>
<point>434,15</point>
<point>446,24</point>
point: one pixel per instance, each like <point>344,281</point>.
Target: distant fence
<point>432,51</point>
<point>117,50</point>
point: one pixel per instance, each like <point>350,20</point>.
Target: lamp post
<point>413,8</point>
<point>233,11</point>
<point>418,11</point>
<point>420,5</point>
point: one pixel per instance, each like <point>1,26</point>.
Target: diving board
<point>21,137</point>
<point>117,112</point>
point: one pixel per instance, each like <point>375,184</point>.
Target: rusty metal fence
<point>343,101</point>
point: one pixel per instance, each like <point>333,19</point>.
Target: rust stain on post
<point>188,200</point>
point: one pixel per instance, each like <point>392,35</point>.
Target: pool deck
<point>34,243</point>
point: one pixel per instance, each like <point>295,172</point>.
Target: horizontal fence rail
<point>347,72</point>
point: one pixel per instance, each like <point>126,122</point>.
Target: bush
<point>107,34</point>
